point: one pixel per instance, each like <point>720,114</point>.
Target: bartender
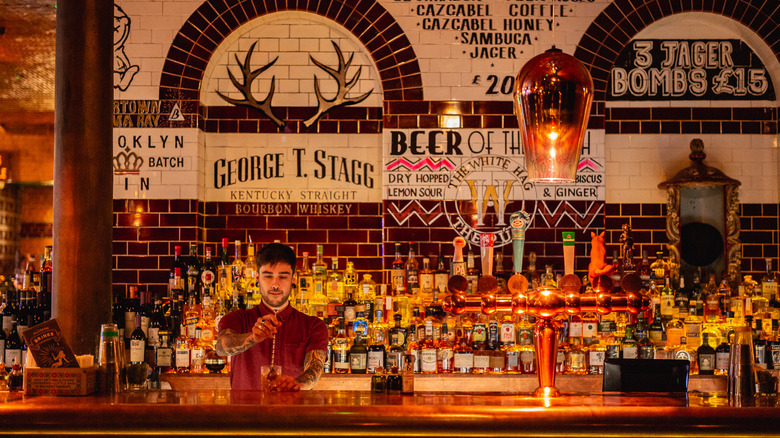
<point>274,331</point>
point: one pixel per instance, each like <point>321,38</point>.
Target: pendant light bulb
<point>552,99</point>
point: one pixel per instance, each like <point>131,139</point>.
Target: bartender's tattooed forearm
<point>230,343</point>
<point>313,364</point>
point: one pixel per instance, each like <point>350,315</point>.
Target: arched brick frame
<point>609,33</point>
<point>205,29</point>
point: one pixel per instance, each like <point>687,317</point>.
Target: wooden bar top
<point>361,413</point>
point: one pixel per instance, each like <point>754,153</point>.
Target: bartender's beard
<point>273,300</point>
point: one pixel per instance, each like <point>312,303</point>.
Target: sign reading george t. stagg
<point>689,70</point>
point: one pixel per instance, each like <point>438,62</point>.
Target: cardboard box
<point>59,381</point>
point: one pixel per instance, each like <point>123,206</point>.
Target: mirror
<point>702,220</point>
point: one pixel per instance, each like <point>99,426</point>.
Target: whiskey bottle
<point>224,276</point>
<point>358,356</point>
<point>351,282</point>
<point>251,277</point>
<point>429,349</point>
<point>336,284</point>
<point>178,262</point>
<point>445,353</point>
<point>472,274</point>
<point>366,295</point>
<point>193,272</point>
<point>427,278</point>
<point>398,273</point>
<point>376,349</point>
<point>442,275</point>
<point>341,349</point>
<point>412,268</point>
<point>304,285</point>
<point>208,275</point>
<point>705,355</point>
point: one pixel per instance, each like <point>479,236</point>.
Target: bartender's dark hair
<point>273,253</point>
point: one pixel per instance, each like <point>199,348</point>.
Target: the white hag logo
<point>485,190</point>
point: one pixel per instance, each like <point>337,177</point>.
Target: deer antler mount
<point>245,87</point>
<point>325,105</point>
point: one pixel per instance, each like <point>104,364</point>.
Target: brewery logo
<point>483,192</point>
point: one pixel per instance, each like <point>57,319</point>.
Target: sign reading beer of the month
<point>450,164</point>
<point>689,70</point>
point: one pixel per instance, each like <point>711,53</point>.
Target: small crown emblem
<point>127,163</point>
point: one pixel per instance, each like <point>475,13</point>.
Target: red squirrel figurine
<point>598,252</point>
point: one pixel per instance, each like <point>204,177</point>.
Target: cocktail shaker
<point>742,376</point>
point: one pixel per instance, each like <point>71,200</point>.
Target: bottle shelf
<point>464,383</point>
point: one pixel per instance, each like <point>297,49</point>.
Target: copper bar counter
<point>361,413</point>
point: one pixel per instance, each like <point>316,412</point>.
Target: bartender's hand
<point>287,383</point>
<point>265,328</point>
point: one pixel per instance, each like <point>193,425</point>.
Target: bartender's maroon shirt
<point>298,334</point>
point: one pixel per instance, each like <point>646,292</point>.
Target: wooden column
<point>83,181</point>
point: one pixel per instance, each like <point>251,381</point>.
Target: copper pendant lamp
<point>552,98</point>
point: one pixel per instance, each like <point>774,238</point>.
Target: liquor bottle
<point>193,271</point>
<point>693,328</point>
<point>685,352</point>
<point>525,333</point>
<point>413,349</point>
<point>402,306</point>
<point>705,355</point>
<point>472,273</point>
<point>445,353</point>
<point>305,285</point>
<point>46,282</point>
<point>376,348</point>
<point>349,312</point>
<point>350,279</point>
<point>501,275</point>
<point>722,353</point>
<point>398,273</point>
<point>407,375</point>
<point>192,315</point>
<point>164,353</point>
<point>178,262</point>
<point>137,343</point>
<point>156,324</point>
<point>713,301</point>
<point>463,356</point>
<point>617,271</point>
<point>237,280</point>
<point>667,301</point>
<point>208,274</point>
<point>3,340</point>
<point>412,268</point>
<point>645,345</point>
<point>675,330</point>
<point>596,354</point>
<point>319,299</point>
<point>251,277</point>
<point>358,355</point>
<point>335,289</point>
<point>643,270</point>
<point>366,295</point>
<point>182,352</point>
<point>224,274</point>
<point>198,351</point>
<point>341,349</point>
<point>629,348</point>
<point>22,316</point>
<point>360,324</point>
<point>398,334</point>
<point>429,348</point>
<point>132,307</point>
<point>681,299</point>
<point>768,283</point>
<point>656,329</point>
<point>13,349</point>
<point>442,275</point>
<point>426,278</point>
